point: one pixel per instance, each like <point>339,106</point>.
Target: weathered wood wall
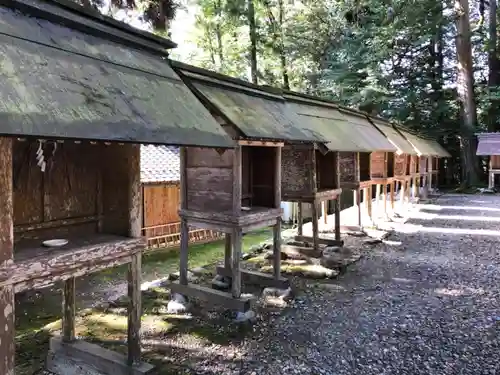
<point>413,163</point>
<point>209,179</point>
<point>423,164</point>
<point>296,166</point>
<point>325,170</point>
<point>348,167</point>
<point>400,165</point>
<point>378,164</point>
<point>83,186</point>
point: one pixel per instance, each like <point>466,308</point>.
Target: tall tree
<point>252,29</point>
<point>465,91</point>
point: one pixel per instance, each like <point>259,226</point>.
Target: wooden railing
<point>168,235</point>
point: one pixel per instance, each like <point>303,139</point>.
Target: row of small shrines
<point>244,150</point>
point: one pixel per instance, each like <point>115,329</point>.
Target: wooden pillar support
<point>370,195</point>
<point>384,199</point>
<point>134,310</point>
<point>300,219</point>
<point>357,202</point>
<point>277,250</point>
<point>134,269</point>
<point>7,343</point>
<point>392,188</point>
<point>324,211</point>
<point>402,196</point>
<point>227,251</point>
<point>315,231</point>
<point>377,198</point>
<point>337,199</point>
<point>235,263</point>
<point>69,310</point>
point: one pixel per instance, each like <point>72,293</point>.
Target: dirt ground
<point>424,302</point>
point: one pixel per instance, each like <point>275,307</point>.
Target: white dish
<point>245,208</point>
<point>55,242</point>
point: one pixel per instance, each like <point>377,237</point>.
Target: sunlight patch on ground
<point>456,292</point>
<point>436,207</point>
<point>412,228</point>
<point>427,216</point>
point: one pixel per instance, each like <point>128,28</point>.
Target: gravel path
<point>428,306</point>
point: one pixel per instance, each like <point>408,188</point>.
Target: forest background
<point>433,66</point>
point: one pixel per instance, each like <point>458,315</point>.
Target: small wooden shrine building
<point>349,133</point>
<point>433,162</point>
<point>80,92</point>
<point>235,191</point>
<point>489,145</point>
<point>419,163</point>
<point>372,150</point>
<point>397,163</point>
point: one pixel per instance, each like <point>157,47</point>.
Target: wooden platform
<point>212,296</point>
<point>36,266</point>
<point>257,278</point>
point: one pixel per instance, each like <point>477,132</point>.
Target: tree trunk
<point>218,33</point>
<point>493,68</point>
<point>253,41</point>
<point>284,68</point>
<point>465,91</point>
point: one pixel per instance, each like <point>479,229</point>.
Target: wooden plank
<point>134,311</point>
<point>227,250</point>
<point>69,310</point>
<point>260,143</point>
<point>212,296</point>
<point>183,176</point>
<point>321,241</point>
<point>7,342</point>
<point>56,223</point>
<point>257,278</point>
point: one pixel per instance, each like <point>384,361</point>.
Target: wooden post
<point>377,198</point>
<point>357,200</point>
<point>392,188</point>
<point>491,175</point>
<point>300,219</point>
<point>69,310</point>
<point>227,251</point>
<point>370,194</point>
<point>402,196</point>
<point>277,226</point>
<point>384,198</point>
<point>7,343</point>
<point>337,200</point>
<point>324,211</point>
<point>277,249</point>
<point>184,249</point>
<point>315,231</point>
<point>134,269</point>
<point>235,261</point>
<point>134,309</point>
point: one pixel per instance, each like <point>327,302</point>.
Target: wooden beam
<point>321,241</point>
<point>7,343</point>
<point>257,278</point>
<point>300,218</point>
<point>212,296</point>
<point>261,143</point>
<point>277,249</point>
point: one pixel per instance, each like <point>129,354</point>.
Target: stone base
<point>82,358</point>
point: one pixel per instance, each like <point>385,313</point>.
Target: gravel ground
<point>425,302</point>
<point>427,306</point>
